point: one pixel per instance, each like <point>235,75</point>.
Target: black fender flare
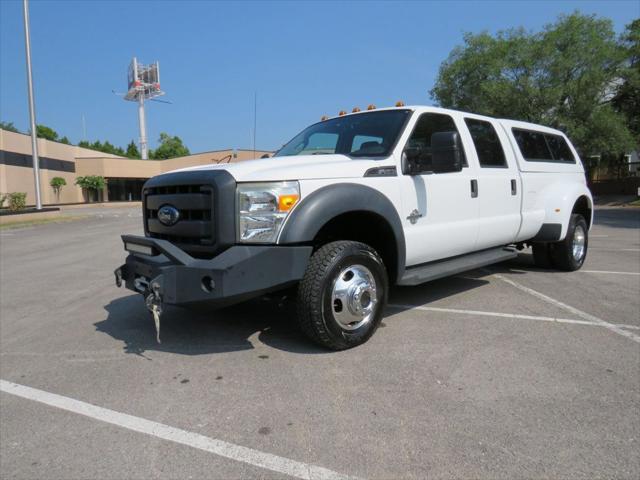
<point>326,203</point>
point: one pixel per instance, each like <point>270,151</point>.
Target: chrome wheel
<point>579,242</point>
<point>354,297</point>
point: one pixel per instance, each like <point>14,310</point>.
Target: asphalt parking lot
<point>507,372</point>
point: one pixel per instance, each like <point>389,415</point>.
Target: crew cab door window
<point>487,144</point>
<point>426,126</point>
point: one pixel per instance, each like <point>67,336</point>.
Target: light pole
<point>32,108</point>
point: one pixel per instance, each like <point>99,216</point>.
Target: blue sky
<point>304,59</point>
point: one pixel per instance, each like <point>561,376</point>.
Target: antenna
<point>255,120</point>
<point>143,84</point>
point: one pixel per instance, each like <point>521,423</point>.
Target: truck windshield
<point>369,134</point>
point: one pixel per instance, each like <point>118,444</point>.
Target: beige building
<point>124,176</point>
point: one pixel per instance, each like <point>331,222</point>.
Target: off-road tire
<point>562,252</point>
<point>314,313</point>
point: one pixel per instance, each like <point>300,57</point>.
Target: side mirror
<point>410,158</point>
<point>446,152</point>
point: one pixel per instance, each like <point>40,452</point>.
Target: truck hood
<point>300,167</point>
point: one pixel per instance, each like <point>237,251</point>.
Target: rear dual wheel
<point>568,254</point>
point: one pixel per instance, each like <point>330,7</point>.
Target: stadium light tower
<point>143,84</point>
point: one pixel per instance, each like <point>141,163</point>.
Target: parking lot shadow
<point>403,298</point>
<point>189,332</point>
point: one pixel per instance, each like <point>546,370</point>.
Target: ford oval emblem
<point>168,215</point>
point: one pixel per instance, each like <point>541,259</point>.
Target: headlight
<point>263,208</point>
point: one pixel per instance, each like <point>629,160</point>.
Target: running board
<point>451,266</point>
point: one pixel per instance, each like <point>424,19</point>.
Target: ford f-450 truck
<point>354,204</point>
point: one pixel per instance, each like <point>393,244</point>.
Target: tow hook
<point>154,304</point>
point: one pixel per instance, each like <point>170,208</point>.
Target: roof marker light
<point>371,107</point>
<point>355,110</point>
<point>342,113</point>
<point>323,118</point>
<point>399,103</point>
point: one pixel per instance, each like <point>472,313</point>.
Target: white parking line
<point>493,314</point>
<point>609,272</point>
<point>615,249</point>
<point>238,453</point>
<point>587,316</point>
<point>515,316</point>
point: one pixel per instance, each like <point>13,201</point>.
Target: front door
<point>440,210</point>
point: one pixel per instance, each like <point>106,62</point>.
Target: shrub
<point>17,201</point>
<point>3,197</point>
<point>57,183</point>
<point>91,185</point>
<point>91,182</point>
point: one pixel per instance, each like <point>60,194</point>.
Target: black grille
<point>194,232</point>
<point>206,201</point>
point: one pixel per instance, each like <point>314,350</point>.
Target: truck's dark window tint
<point>543,147</point>
<point>533,145</point>
<point>487,143</point>
<point>559,148</point>
<point>369,134</point>
<point>427,125</point>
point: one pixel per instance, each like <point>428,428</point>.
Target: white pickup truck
<point>354,204</point>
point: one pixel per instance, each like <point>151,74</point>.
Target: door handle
<point>474,188</point>
<point>514,187</point>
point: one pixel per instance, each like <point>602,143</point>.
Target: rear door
<point>499,183</point>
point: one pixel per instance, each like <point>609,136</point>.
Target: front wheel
<point>570,253</point>
<point>342,295</point>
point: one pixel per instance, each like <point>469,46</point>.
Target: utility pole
<point>142,122</point>
<point>32,108</point>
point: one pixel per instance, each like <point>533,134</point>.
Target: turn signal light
<point>286,202</point>
<point>399,103</point>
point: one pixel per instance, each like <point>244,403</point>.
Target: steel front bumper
<point>238,273</point>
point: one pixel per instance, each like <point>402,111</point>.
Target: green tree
<point>170,147</point>
<point>9,127</point>
<point>48,133</point>
<point>563,76</point>
<point>627,98</point>
<point>132,150</point>
<point>65,140</point>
